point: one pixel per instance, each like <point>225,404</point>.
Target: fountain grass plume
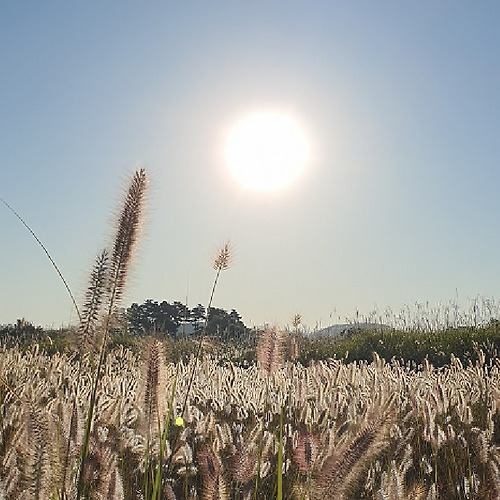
<point>342,469</point>
<point>37,453</point>
<point>306,451</point>
<point>94,298</point>
<point>125,242</point>
<point>129,223</point>
<point>270,350</point>
<point>214,486</point>
<point>269,360</point>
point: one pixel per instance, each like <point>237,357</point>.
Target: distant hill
<point>348,329</point>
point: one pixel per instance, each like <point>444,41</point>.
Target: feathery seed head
<point>270,350</point>
<point>154,351</point>
<point>306,451</point>
<point>292,348</point>
<point>93,301</point>
<point>168,492</point>
<point>129,223</point>
<point>342,469</point>
<point>224,257</point>
<point>214,485</point>
<point>242,463</point>
<point>297,321</point>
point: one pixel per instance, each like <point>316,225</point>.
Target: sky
<point>397,205</point>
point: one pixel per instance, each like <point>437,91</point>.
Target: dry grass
<point>351,431</point>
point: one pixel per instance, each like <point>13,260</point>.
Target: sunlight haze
<point>266,150</point>
<point>396,203</point>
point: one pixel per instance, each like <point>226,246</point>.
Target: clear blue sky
<point>400,100</point>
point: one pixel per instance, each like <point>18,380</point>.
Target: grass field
<point>356,430</point>
<point>409,412</point>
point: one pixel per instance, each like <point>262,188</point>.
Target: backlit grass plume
<point>129,223</point>
<point>94,298</point>
<point>214,485</point>
<point>37,454</point>
<point>342,469</point>
<point>114,276</point>
<point>306,451</point>
<point>222,262</point>
<point>223,258</point>
<point>270,350</point>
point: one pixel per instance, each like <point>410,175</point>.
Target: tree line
<point>176,319</point>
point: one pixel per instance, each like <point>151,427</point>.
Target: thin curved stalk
<point>54,265</point>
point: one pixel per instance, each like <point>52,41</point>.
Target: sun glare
<point>266,151</point>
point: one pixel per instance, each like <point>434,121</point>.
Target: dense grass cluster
<point>362,430</point>
<point>412,347</point>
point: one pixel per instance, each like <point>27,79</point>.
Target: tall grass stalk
<point>221,263</point>
<point>279,472</point>
<point>269,360</point>
<point>44,248</point>
<point>125,241</point>
<point>156,494</point>
<point>261,443</point>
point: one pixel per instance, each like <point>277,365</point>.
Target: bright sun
<point>266,151</point>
